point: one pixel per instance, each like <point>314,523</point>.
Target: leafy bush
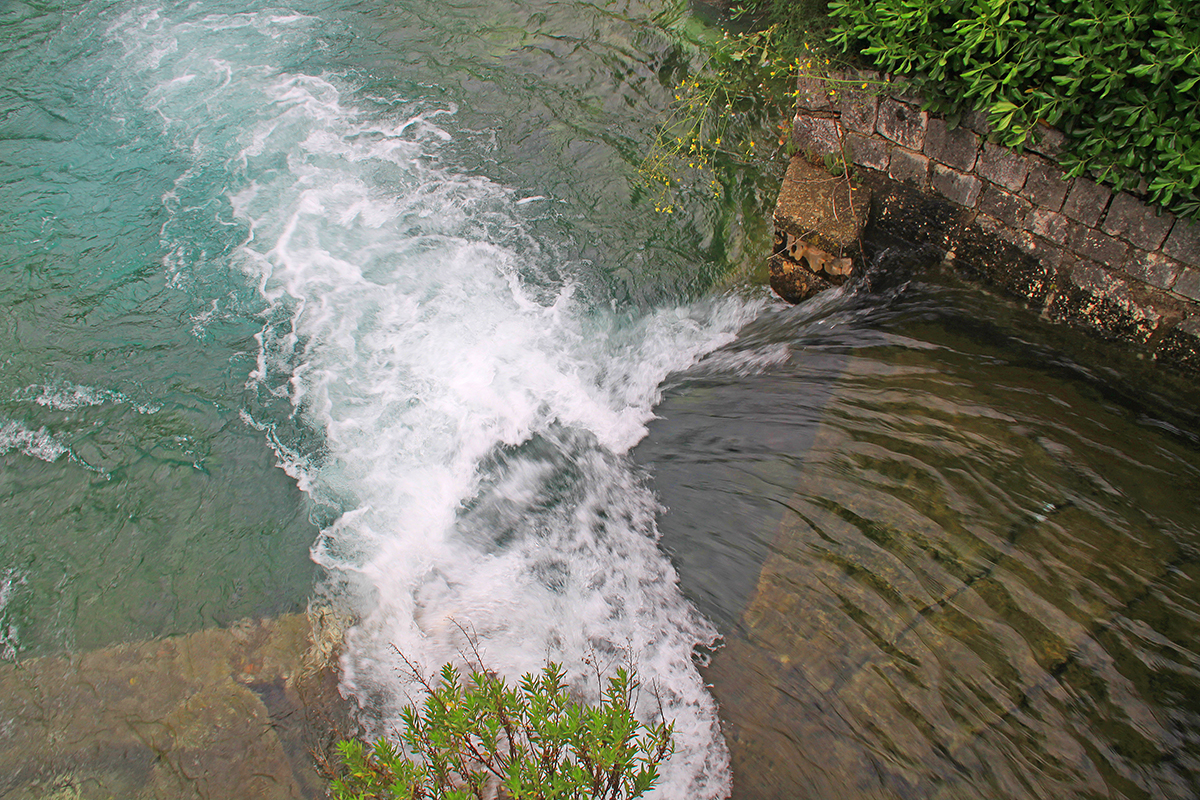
<point>533,742</point>
<point>1121,78</point>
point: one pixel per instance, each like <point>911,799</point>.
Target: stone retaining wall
<point>1090,256</point>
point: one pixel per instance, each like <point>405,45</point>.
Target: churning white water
<point>472,405</point>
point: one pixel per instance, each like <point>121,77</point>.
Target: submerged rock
<point>232,713</point>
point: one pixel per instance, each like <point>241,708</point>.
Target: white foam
<point>35,444</point>
<point>475,413</point>
<point>67,396</point>
<point>10,639</point>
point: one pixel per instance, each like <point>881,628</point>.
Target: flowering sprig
<point>722,111</point>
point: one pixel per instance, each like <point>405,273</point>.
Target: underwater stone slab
<point>901,123</point>
<point>224,714</point>
<point>1137,223</point>
<point>955,186</point>
<point>803,676</point>
<point>1086,202</point>
<point>957,148</point>
<point>1002,166</point>
<point>222,748</point>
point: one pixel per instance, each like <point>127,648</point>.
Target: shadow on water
<point>954,552</point>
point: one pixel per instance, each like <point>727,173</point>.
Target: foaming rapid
<point>38,443</point>
<point>472,405</point>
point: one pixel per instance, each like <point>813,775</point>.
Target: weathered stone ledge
<point>1069,247</point>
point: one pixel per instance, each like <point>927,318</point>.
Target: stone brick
<point>901,123</point>
<point>1093,244</point>
<point>869,151</point>
<point>1188,284</point>
<point>1048,224</point>
<point>1086,201</point>
<point>1191,326</point>
<point>1183,243</point>
<point>1048,141</point>
<point>900,89</point>
<point>955,186</point>
<point>1001,165</point>
<point>1046,185</point>
<point>859,110</point>
<point>812,94</point>
<point>817,135</point>
<point>977,121</point>
<point>1004,206</point>
<point>1152,268</point>
<point>1136,223</point>
<point>909,167</point>
<point>956,148</point>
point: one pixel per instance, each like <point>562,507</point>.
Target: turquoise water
<point>363,302</point>
<point>373,286</point>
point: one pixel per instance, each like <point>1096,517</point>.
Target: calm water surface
<point>948,559</point>
<point>364,302</point>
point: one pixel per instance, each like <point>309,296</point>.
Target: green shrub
<point>532,742</point>
<point>1121,78</point>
